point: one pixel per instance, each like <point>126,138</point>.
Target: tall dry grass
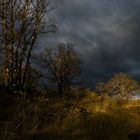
<point>92,117</point>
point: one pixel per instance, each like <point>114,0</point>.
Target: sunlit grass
<point>93,117</point>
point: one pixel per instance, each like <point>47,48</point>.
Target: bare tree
<point>63,66</point>
<point>20,23</point>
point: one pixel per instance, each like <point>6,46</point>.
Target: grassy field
<point>88,118</point>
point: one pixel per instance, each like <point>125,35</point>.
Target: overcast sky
<point>105,32</point>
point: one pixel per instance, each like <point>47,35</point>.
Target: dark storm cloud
<point>106,33</point>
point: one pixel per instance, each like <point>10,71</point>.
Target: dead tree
<point>20,23</point>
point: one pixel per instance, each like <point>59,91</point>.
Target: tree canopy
<point>62,65</point>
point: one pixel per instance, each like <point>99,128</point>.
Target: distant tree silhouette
<point>20,23</point>
<point>101,89</point>
<point>63,66</point>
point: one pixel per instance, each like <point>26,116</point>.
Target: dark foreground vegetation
<point>88,118</point>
